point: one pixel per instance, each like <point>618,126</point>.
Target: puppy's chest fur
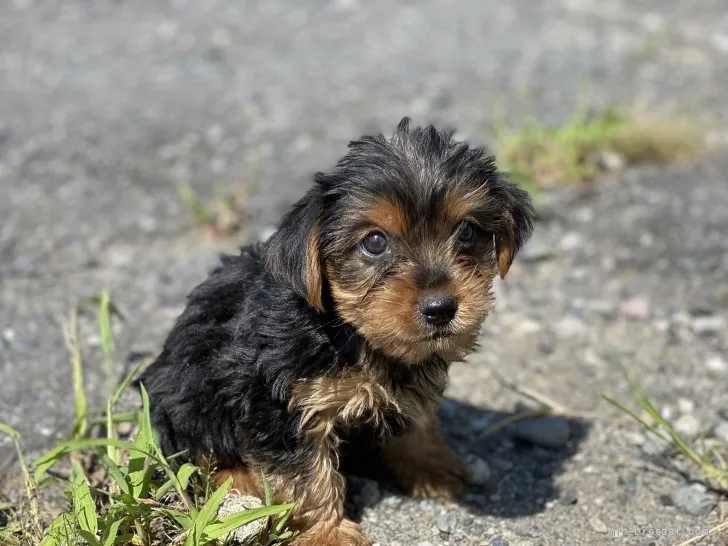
<point>379,395</point>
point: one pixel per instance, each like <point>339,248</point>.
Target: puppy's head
<point>407,233</point>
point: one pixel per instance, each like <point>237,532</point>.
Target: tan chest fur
<point>368,395</point>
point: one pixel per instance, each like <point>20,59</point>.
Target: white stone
<point>716,364</point>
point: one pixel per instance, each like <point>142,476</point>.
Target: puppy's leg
<point>318,493</point>
<point>423,465</point>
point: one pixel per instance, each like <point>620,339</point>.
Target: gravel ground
<point>105,106</point>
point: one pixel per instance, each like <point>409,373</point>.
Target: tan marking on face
<point>387,316</point>
<point>505,248</point>
<point>390,217</point>
<point>312,275</point>
<point>457,206</point>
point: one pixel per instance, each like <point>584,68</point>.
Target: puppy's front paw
<point>434,474</point>
<point>446,480</point>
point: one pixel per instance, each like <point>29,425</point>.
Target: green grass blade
<point>126,382</point>
<point>143,444</point>
<point>60,533</point>
<point>111,533</point>
<point>46,461</point>
<point>267,489</point>
<point>137,464</point>
<point>7,538</point>
<point>90,538</point>
<point>145,425</point>
<point>30,482</point>
<point>207,514</point>
<point>111,451</point>
<point>84,507</point>
<point>80,425</point>
<point>185,473</point>
<point>10,431</point>
<point>182,519</point>
<point>229,523</point>
<point>195,205</point>
<point>117,475</point>
<point>120,417</point>
<point>162,490</point>
<point>107,339</point>
<point>281,523</point>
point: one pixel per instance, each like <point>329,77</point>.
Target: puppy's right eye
<point>374,243</point>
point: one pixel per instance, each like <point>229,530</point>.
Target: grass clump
<point>538,155</point>
<point>226,214</point>
<point>709,463</point>
<point>122,491</point>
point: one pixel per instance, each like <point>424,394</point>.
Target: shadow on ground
<point>523,474</point>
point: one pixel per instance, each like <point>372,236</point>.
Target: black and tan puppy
<point>343,326</point>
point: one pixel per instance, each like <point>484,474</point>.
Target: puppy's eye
<point>374,243</point>
<point>466,232</point>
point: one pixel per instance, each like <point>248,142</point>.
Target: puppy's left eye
<point>466,232</point>
<point>374,244</point>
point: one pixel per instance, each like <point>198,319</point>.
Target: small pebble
<point>446,522</point>
<point>687,426</point>
<point>570,241</point>
<point>124,429</point>
<point>708,324</point>
<point>247,534</point>
<point>498,541</point>
<point>636,308</point>
<point>717,365</point>
<point>478,470</point>
<point>685,405</point>
<point>569,497</point>
<point>551,432</point>
<point>476,530</point>
<point>568,326</point>
<point>546,345</point>
<point>598,525</point>
<point>635,438</point>
<point>665,500</point>
<point>601,307</point>
<point>693,499</point>
<point>611,161</point>
<point>720,432</point>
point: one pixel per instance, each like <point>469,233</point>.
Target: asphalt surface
<point>106,106</point>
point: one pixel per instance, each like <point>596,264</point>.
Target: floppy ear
<point>292,253</point>
<point>516,222</point>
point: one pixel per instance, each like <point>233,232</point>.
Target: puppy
<point>341,328</point>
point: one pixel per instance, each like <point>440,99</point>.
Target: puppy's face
<point>408,234</point>
<point>412,268</point>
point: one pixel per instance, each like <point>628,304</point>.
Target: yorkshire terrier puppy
<point>340,329</point>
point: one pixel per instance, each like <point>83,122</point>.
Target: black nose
<point>438,310</point>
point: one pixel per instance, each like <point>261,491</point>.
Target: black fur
<point>221,385</point>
